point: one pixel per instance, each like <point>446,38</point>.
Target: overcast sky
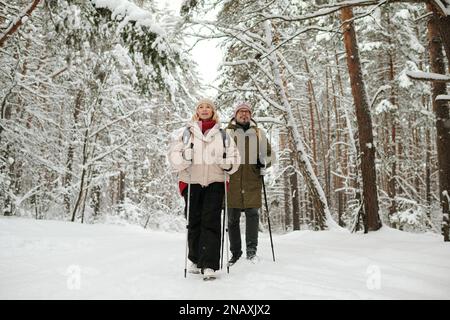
<point>205,52</point>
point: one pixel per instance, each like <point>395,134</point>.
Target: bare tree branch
<point>327,9</point>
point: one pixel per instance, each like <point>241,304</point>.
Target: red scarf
<point>206,125</point>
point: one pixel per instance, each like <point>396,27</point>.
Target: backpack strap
<point>186,136</point>
<point>225,141</point>
<point>226,144</point>
<point>225,138</point>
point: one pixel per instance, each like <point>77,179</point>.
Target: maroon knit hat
<point>242,105</point>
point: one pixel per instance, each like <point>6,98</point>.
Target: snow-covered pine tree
<point>89,93</point>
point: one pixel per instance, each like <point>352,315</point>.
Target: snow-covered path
<point>63,260</point>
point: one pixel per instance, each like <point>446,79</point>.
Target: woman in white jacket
<point>200,153</point>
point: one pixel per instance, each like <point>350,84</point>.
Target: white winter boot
<point>209,274</point>
<point>192,268</point>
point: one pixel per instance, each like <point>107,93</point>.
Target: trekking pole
<point>222,237</point>
<point>225,218</point>
<point>226,144</point>
<point>187,222</point>
<point>268,216</point>
<point>186,137</point>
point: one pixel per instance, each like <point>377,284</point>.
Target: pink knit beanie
<point>242,105</point>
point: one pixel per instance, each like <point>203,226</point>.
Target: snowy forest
<point>352,94</point>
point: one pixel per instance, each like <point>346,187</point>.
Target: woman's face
<point>205,111</point>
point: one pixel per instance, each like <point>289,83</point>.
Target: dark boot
<point>234,258</point>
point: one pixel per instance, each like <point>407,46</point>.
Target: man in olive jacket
<point>246,183</point>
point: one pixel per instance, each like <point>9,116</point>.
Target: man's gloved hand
<point>262,167</point>
<point>262,171</point>
<point>260,164</point>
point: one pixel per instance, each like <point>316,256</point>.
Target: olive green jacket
<point>245,184</point>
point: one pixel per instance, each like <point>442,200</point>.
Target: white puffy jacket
<point>207,165</point>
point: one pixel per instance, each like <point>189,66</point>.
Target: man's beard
<point>243,123</point>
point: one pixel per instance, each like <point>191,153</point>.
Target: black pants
<point>204,226</point>
<point>251,230</point>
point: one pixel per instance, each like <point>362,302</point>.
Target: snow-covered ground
<point>63,260</point>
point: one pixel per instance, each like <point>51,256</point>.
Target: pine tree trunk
<point>121,187</point>
<point>70,151</point>
<point>427,147</point>
<point>6,169</point>
<point>83,175</point>
<point>284,162</point>
<point>365,130</point>
<point>345,153</point>
<point>441,110</point>
<point>428,171</point>
<point>95,196</point>
<point>392,143</point>
<point>295,202</point>
<point>5,156</point>
<point>417,171</point>
<point>343,156</point>
<point>303,210</point>
<point>315,110</point>
<point>312,215</point>
<point>312,132</point>
<point>443,27</point>
<point>295,195</point>
<point>327,164</point>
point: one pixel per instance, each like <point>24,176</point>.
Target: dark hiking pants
<point>251,230</point>
<point>204,232</point>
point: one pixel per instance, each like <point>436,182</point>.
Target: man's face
<point>243,116</point>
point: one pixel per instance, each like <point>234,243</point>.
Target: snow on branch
<point>266,97</point>
<point>296,34</point>
<point>235,28</point>
<point>328,9</point>
<point>277,120</point>
<point>124,9</point>
<point>21,19</point>
<point>379,91</point>
<point>350,3</point>
<point>427,76</point>
<point>442,6</point>
<point>443,97</point>
<point>124,117</point>
<point>108,152</point>
<point>318,13</point>
<point>246,63</point>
